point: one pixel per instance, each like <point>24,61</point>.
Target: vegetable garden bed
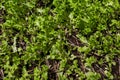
<point>59,40</point>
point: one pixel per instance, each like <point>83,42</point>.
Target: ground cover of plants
<point>59,40</point>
